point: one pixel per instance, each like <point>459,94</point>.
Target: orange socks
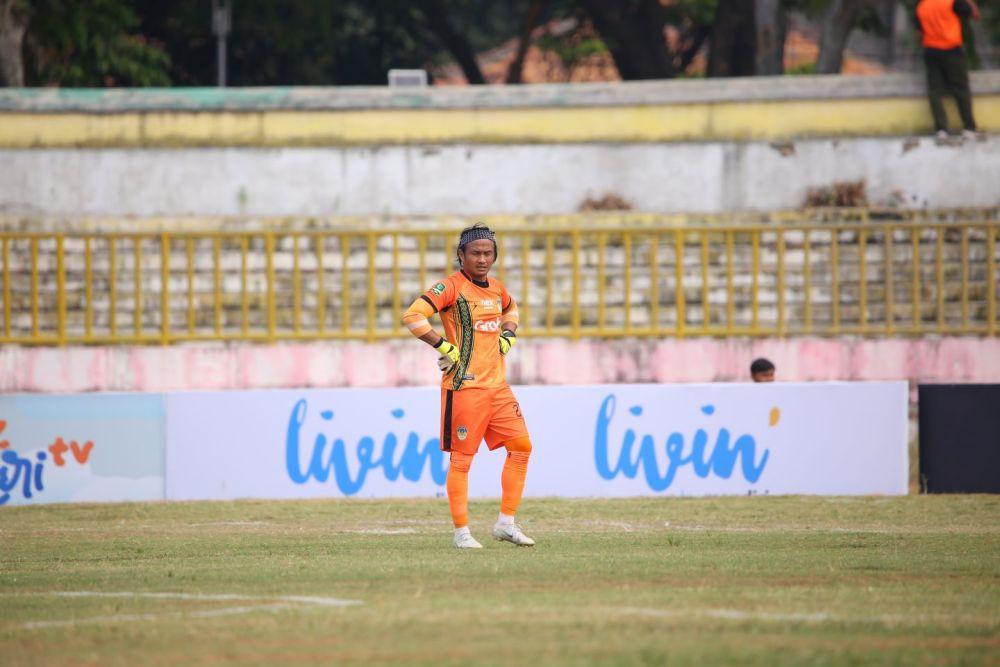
<point>515,471</point>
<point>458,488</point>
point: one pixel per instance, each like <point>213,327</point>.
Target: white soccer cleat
<point>511,532</point>
<point>466,541</point>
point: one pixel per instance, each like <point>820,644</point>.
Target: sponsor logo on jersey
<point>462,433</point>
<point>438,289</point>
<point>488,304</point>
<point>488,326</point>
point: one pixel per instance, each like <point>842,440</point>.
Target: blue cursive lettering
<point>14,469</point>
<point>328,457</point>
<point>721,461</point>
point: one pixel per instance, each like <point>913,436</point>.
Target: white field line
<point>817,617</point>
<point>128,618</point>
<point>381,531</point>
<point>226,523</point>
<point>271,604</point>
<point>213,597</point>
<point>667,527</point>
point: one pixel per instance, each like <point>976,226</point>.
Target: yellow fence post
<point>679,279</point>
<point>137,287</point>
<point>601,248</point>
<point>189,250</point>
<point>991,278</point>
<point>964,296</point>
<point>164,289</point>
<point>88,287</point>
<point>549,314</point>
<point>371,288</point>
<point>835,278</point>
<point>272,314</point>
<point>217,284</point>
<point>60,290</point>
<point>916,315</point>
<point>939,276</point>
<point>396,305</point>
<point>889,305</point>
<point>34,289</point>
<point>705,306</point>
<point>6,289</point>
<point>654,283</point>
<point>320,241</point>
<point>627,253</point>
<point>780,280</point>
<point>524,304</point>
<point>244,287</point>
<point>862,280</point>
<point>113,284</point>
<point>296,287</point>
<point>754,284</point>
<point>807,279</point>
<point>730,294</point>
<point>345,281</point>
<point>575,299</point>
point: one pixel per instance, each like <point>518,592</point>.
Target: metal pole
<point>222,20</point>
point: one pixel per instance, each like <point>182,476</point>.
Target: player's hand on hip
<point>449,355</point>
<point>507,340</point>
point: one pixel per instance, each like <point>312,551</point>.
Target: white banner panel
<point>87,448</point>
<point>606,440</point>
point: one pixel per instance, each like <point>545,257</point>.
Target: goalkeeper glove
<point>507,340</point>
<point>449,356</point>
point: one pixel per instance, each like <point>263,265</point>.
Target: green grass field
<point>766,580</point>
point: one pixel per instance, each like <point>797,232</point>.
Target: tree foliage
<point>355,42</point>
<point>93,43</point>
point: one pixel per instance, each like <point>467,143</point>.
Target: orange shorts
<point>469,415</point>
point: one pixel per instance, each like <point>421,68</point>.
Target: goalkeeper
<point>480,327</point>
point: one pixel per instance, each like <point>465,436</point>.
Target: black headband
<point>476,234</point>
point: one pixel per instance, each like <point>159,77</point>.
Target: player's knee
<point>522,444</point>
<point>461,462</point>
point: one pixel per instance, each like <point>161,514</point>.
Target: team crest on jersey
<point>438,289</point>
<point>462,433</point>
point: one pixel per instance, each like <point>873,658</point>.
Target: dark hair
<point>476,232</point>
<point>761,365</point>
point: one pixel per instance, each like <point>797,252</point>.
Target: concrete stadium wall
<point>481,179</point>
<point>705,146</point>
<point>555,361</point>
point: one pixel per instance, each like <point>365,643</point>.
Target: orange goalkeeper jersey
<point>472,313</point>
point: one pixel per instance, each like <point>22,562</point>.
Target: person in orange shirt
<point>480,326</point>
<point>940,24</point>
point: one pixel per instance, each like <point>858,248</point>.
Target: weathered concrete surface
<point>676,91</point>
<point>768,108</point>
<point>407,362</point>
<point>491,179</point>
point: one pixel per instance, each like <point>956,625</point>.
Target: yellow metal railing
<point>784,279</point>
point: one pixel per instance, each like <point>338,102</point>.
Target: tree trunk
<point>772,28</point>
<point>733,47</point>
<point>531,19</point>
<point>13,24</point>
<point>633,32</point>
<point>437,18</point>
<point>836,26</point>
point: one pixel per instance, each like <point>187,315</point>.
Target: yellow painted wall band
<point>749,120</point>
